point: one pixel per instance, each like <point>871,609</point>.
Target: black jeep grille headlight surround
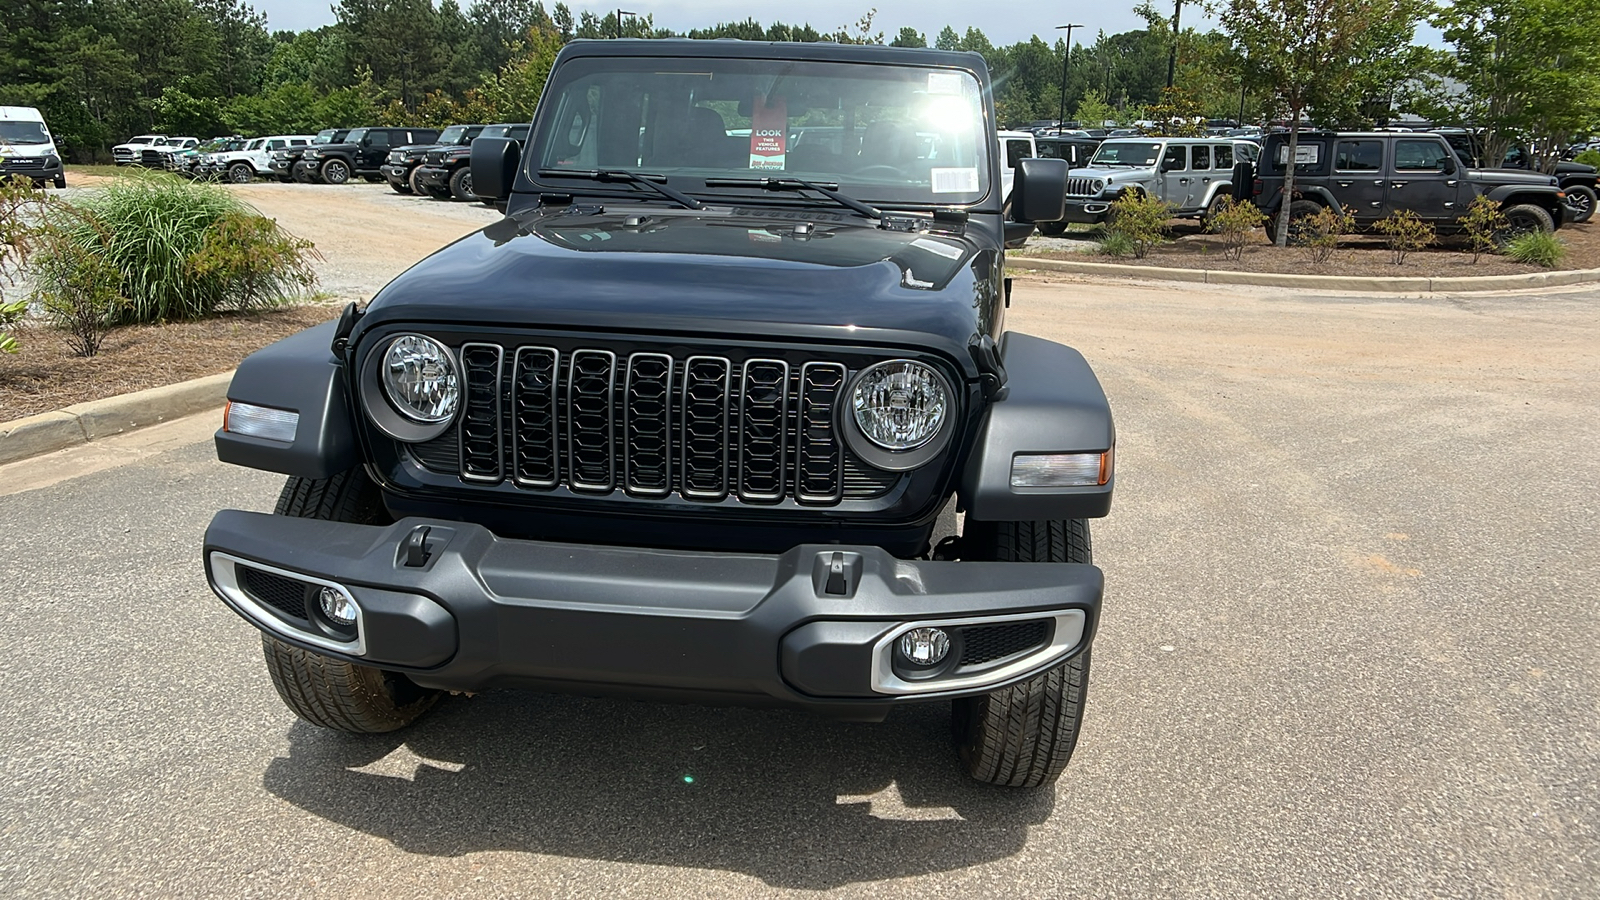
<point>657,420</point>
<point>899,405</point>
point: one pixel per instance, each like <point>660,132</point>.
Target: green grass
<point>1536,248</point>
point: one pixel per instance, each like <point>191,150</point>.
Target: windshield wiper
<point>623,175</point>
<point>829,190</point>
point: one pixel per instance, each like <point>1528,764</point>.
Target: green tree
<point>1530,69</point>
<point>909,37</point>
<point>1300,52</point>
<point>947,39</point>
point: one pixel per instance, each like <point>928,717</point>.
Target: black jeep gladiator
<point>400,170</point>
<point>694,421</point>
<point>361,153</point>
<point>1371,175</point>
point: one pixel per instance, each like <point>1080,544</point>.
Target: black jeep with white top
<point>706,417</point>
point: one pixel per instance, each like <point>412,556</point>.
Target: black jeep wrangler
<point>400,170</point>
<point>446,172</point>
<point>1371,175</point>
<point>695,421</point>
<point>361,153</point>
<point>283,161</point>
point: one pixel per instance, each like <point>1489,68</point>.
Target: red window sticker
<point>769,132</point>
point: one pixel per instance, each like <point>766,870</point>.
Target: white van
<point>26,147</point>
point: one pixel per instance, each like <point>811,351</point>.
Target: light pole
<point>1061,118</point>
<point>1172,57</point>
<point>620,14</point>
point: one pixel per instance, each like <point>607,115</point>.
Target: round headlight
<point>1099,185</point>
<point>420,379</point>
<point>900,405</point>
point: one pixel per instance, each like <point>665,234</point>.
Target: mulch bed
<point>1357,255</point>
<point>43,375</point>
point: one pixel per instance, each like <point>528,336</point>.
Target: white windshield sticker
<point>939,248</point>
<point>944,82</point>
<point>955,181</point>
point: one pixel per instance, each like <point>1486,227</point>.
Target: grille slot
<point>647,425</point>
<point>591,459</point>
<point>286,595</point>
<point>819,454</point>
<point>706,390</point>
<point>1080,187</point>
<point>763,429</point>
<point>535,430</point>
<point>987,643</point>
<point>480,412</point>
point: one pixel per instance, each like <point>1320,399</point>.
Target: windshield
<point>882,133</point>
<point>355,136</point>
<point>1130,153</point>
<point>459,134</point>
<point>327,136</point>
<point>515,132</point>
<point>24,133</point>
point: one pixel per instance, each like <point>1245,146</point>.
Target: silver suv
<point>1188,173</point>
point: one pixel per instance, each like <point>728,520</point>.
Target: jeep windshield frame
<point>891,135</point>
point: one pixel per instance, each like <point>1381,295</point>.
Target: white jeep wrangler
<point>1190,174</point>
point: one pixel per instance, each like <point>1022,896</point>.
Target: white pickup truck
<point>240,166</point>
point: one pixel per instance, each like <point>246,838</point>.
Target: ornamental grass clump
<point>1537,248</point>
<point>175,250</point>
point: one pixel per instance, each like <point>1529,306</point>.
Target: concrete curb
<point>1377,284</point>
<point>84,422</point>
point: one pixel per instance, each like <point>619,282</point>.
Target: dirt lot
<point>1364,255</point>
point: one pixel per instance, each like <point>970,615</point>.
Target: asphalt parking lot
<point>1349,649</point>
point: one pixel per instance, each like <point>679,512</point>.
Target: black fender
<point>1315,193</point>
<point>1051,403</point>
<point>1544,197</point>
<point>298,373</point>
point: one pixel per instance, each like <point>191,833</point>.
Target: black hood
<point>723,271</point>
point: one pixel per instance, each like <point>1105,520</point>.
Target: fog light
<point>924,646</point>
<point>339,609</point>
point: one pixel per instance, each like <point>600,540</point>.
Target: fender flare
<point>301,374</point>
<point>1051,403</point>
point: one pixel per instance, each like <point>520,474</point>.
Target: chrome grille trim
<point>647,425</point>
<point>816,465</point>
<point>763,429</point>
<point>535,423</point>
<point>705,474</point>
<point>591,423</point>
<point>1080,187</point>
<point>481,459</point>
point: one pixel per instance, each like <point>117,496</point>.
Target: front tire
<point>1024,735</point>
<point>335,171</point>
<point>1582,199</point>
<point>461,184</point>
<point>1525,217</point>
<point>240,173</point>
<point>324,691</point>
<point>1052,229</point>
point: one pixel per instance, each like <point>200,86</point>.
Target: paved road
<point>1349,650</point>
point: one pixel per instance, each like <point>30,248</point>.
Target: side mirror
<point>1447,166</point>
<point>1038,193</point>
<point>1168,164</point>
<point>494,166</point>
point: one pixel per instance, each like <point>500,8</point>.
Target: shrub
<point>1536,248</point>
<point>175,250</point>
<point>1405,232</point>
<point>1115,243</point>
<point>1483,225</point>
<point>77,280</point>
<point>1319,232</point>
<point>20,205</point>
<point>1235,221</point>
<point>1140,218</point>
<point>1590,158</point>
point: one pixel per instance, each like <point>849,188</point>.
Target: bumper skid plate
<point>458,608</point>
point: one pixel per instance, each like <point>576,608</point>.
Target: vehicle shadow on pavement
<point>795,800</point>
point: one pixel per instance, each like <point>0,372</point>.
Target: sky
<point>1015,23</point>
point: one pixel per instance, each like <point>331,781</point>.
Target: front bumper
<point>394,174</point>
<point>437,177</point>
<point>814,627</point>
<point>1087,211</point>
<point>40,170</point>
<point>307,169</point>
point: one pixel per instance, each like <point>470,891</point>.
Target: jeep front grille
<point>652,424</point>
<point>1081,187</point>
